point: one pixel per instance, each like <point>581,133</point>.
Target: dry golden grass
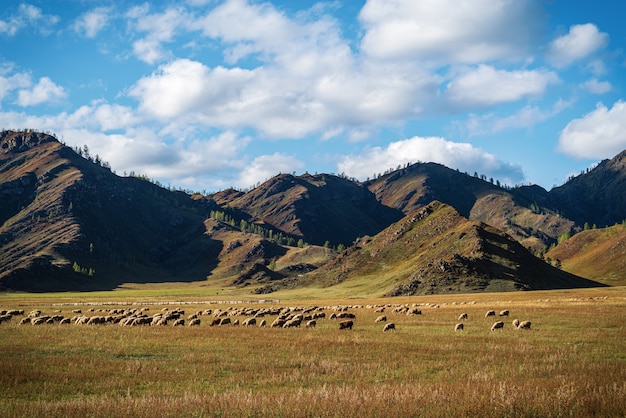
<point>571,363</point>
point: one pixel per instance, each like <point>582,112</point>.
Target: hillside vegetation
<point>70,223</point>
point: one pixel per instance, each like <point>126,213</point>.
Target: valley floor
<point>571,362</point>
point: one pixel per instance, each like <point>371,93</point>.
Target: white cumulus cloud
<point>44,91</point>
<point>266,166</point>
<point>450,31</point>
<point>580,42</point>
<point>487,86</point>
<point>462,156</point>
<point>92,22</point>
<point>599,134</point>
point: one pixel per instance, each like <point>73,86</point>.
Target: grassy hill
<point>598,254</point>
<point>436,250</point>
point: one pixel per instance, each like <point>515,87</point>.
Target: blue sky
<point>206,94</point>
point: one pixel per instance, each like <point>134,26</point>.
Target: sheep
<point>194,322</point>
<point>65,321</point>
<point>389,327</point>
<point>490,313</point>
<point>311,324</point>
<point>249,322</point>
<point>292,323</point>
<point>225,321</point>
<point>524,325</point>
<point>278,323</point>
<point>25,321</point>
<point>263,323</point>
<point>180,322</point>
<point>413,311</point>
<point>381,318</point>
<point>458,327</point>
<point>5,318</point>
<point>463,316</point>
<point>504,313</point>
<point>515,323</point>
<point>346,324</point>
<point>497,325</point>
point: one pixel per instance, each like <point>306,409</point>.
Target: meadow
<point>572,362</point>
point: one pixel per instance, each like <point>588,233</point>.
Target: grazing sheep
<point>65,321</point>
<point>458,327</point>
<point>25,321</point>
<point>497,325</point>
<point>463,316</point>
<point>346,324</point>
<point>224,321</point>
<point>381,318</point>
<point>389,327</point>
<point>194,322</point>
<point>524,325</point>
<point>214,322</point>
<point>515,323</point>
<point>5,318</point>
<point>490,313</point>
<point>293,323</point>
<point>263,323</point>
<point>504,313</point>
<point>249,322</point>
<point>413,311</point>
<point>311,324</point>
<point>278,323</point>
<point>180,322</point>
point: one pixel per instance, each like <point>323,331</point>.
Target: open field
<point>572,362</point>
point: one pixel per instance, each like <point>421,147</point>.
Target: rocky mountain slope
<point>68,222</point>
<point>436,250</point>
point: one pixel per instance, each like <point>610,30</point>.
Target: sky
<point>204,95</point>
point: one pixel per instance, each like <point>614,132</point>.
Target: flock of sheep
<point>283,317</point>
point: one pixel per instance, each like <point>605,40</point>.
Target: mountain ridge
<point>66,216</point>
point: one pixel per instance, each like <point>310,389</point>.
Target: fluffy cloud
<point>486,86</point>
<point>463,156</point>
<point>44,91</point>
<point>159,28</point>
<point>450,31</point>
<point>580,42</point>
<point>599,134</point>
<point>9,83</point>
<point>92,22</point>
<point>267,166</point>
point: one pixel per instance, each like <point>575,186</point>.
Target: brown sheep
<point>524,325</point>
<point>389,327</point>
<point>463,316</point>
<point>346,324</point>
<point>515,323</point>
<point>490,313</point>
<point>497,325</point>
<point>381,318</point>
<point>504,313</point>
<point>458,327</point>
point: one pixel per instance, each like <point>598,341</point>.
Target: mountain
<point>435,249</point>
<point>597,196</point>
<point>514,211</point>
<point>316,208</point>
<point>69,223</point>
<point>598,254</point>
